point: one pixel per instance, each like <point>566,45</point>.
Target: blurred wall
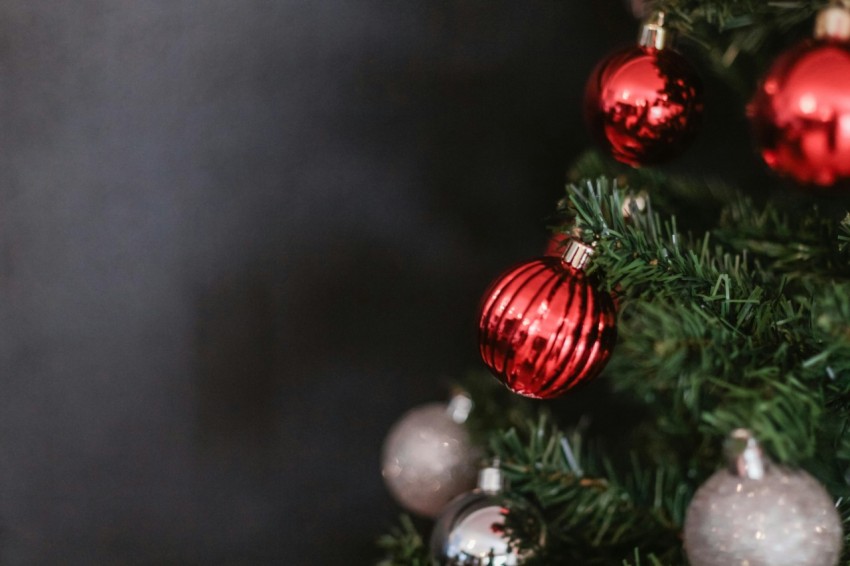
<point>239,239</point>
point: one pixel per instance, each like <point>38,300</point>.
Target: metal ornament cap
<point>459,408</point>
<point>653,34</point>
<point>746,459</point>
<point>833,23</point>
<point>577,254</point>
<point>491,480</point>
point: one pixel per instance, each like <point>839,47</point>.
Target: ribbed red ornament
<point>544,328</point>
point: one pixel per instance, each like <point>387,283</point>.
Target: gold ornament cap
<point>653,34</point>
<point>833,22</point>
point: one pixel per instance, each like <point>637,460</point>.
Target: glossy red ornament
<point>801,113</point>
<point>644,104</point>
<point>544,328</point>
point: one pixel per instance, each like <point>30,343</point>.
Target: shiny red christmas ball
<point>544,328</point>
<point>801,113</point>
<point>644,104</point>
<point>555,245</point>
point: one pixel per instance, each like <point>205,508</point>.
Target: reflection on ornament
<point>801,112</point>
<point>763,515</point>
<point>428,457</point>
<point>644,103</point>
<point>544,328</point>
<point>471,530</point>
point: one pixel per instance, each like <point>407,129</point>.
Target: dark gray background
<point>238,239</point>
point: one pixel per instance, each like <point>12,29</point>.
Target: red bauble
<point>555,245</point>
<point>644,104</point>
<point>544,328</point>
<point>801,113</point>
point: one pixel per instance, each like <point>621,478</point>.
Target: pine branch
<point>793,237</point>
<point>592,513</point>
<point>739,38</point>
<point>403,546</point>
<point>724,15</point>
<point>802,244</point>
<point>713,337</point>
<point>494,406</point>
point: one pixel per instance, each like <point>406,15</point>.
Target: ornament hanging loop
<point>833,22</point>
<point>653,34</point>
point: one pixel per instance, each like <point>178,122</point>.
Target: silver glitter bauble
<point>759,514</point>
<point>470,531</point>
<point>428,458</point>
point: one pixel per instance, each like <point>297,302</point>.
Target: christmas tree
<point>728,385</point>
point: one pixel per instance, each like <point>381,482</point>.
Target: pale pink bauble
<point>428,459</point>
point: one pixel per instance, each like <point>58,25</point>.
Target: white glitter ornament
<point>428,458</point>
<point>759,514</point>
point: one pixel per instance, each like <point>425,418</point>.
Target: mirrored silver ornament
<point>428,457</point>
<point>758,514</point>
<point>471,531</point>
